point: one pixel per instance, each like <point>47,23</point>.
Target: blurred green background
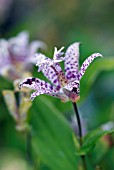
<point>60,23</point>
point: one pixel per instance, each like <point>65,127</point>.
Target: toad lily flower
<point>64,86</point>
<point>16,55</point>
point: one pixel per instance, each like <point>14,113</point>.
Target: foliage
<point>52,137</point>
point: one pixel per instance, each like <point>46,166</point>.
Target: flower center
<point>60,75</point>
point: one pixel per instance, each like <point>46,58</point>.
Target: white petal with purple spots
<point>37,84</point>
<point>53,71</point>
<point>86,64</point>
<point>72,61</point>
<point>42,59</point>
<point>42,87</point>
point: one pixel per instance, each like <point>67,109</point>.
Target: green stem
<point>80,132</point>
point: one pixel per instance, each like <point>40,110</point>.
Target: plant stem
<point>84,162</point>
<point>80,132</point>
<point>78,121</point>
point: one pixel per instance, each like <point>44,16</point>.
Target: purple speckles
<point>73,76</point>
<point>52,73</point>
<point>69,73</point>
<point>86,63</point>
<point>65,86</point>
<point>68,68</point>
<point>71,62</point>
<point>55,81</point>
<point>46,85</point>
<point>41,83</point>
<point>67,63</point>
<point>51,87</point>
<point>58,87</point>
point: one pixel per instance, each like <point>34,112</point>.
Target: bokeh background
<point>60,23</point>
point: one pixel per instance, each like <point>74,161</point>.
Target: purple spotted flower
<point>16,55</point>
<point>65,86</point>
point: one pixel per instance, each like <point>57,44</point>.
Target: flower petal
<point>40,86</point>
<point>42,59</point>
<point>74,84</point>
<point>5,61</point>
<point>20,40</point>
<point>18,47</point>
<point>55,74</point>
<point>51,70</point>
<point>72,61</point>
<point>33,95</point>
<point>72,91</point>
<point>86,63</point>
<point>33,47</point>
<point>56,94</point>
<point>36,84</point>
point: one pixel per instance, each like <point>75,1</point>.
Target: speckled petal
<point>72,90</point>
<point>36,84</point>
<point>55,74</point>
<point>86,63</point>
<point>74,84</point>
<point>41,59</point>
<point>51,70</point>
<point>61,96</point>
<point>72,61</point>
<point>40,86</point>
<point>56,94</point>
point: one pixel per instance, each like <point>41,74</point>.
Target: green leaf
<point>99,152</point>
<point>52,137</point>
<point>91,138</point>
<point>99,65</point>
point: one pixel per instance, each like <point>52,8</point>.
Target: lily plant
<point>65,86</point>
<point>16,55</point>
